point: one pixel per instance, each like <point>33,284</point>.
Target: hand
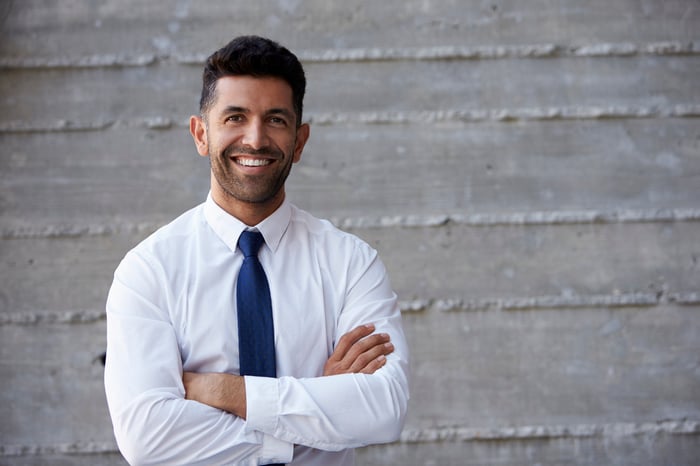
<point>222,391</point>
<point>359,352</point>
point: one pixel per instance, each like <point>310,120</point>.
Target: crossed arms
<point>164,413</point>
<point>358,352</point>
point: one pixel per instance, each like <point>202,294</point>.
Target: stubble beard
<point>245,188</point>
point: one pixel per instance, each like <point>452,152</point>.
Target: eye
<point>278,121</point>
<point>234,118</point>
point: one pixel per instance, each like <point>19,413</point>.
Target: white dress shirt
<point>172,308</point>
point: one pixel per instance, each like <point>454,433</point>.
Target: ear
<point>198,130</point>
<point>303,133</point>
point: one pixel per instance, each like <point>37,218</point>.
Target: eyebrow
<point>234,109</point>
<point>273,111</point>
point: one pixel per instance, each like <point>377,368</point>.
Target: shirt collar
<point>229,228</point>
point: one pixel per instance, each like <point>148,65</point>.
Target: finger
<point>367,362</point>
<point>370,356</point>
<point>366,344</point>
<point>374,365</point>
<point>347,341</point>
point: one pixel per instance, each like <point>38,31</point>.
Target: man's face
<point>250,134</point>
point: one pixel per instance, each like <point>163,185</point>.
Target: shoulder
<point>349,265</point>
<point>327,236</point>
<point>181,229</point>
<point>171,240</point>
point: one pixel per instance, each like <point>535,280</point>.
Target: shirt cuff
<point>276,451</point>
<point>262,401</point>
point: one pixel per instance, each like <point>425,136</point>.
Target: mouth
<point>252,162</point>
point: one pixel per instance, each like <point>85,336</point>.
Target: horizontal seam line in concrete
<point>389,118</point>
<point>679,427</point>
<point>370,54</point>
<point>619,300</point>
<point>550,218</point>
<point>431,435</point>
<point>476,220</point>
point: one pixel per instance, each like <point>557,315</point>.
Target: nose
<point>254,135</point>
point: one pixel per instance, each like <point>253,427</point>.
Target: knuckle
<point>365,359</point>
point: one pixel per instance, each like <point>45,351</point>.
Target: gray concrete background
<point>528,170</point>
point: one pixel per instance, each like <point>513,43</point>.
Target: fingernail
<point>369,326</point>
<point>388,346</point>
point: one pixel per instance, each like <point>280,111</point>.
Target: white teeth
<point>253,162</point>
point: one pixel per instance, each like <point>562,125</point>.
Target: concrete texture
<point>529,172</point>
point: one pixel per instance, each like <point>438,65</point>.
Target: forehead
<point>256,94</point>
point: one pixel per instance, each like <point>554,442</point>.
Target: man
<point>177,334</point>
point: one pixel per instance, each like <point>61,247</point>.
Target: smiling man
<point>252,141</point>
<point>248,331</point>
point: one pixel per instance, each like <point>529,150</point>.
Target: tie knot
<point>250,242</point>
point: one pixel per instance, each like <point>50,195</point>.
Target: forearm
<point>222,391</point>
<point>156,429</point>
<point>330,413</point>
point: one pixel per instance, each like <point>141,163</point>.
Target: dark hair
<point>258,57</point>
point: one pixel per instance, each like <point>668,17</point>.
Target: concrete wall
<point>528,170</point>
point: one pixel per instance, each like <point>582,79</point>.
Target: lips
<point>252,162</point>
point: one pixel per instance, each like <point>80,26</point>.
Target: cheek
<point>221,138</point>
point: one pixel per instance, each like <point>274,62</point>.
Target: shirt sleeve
<point>349,410</point>
<point>153,422</point>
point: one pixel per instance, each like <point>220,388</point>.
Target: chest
<point>306,304</point>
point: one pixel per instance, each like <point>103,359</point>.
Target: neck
<point>250,213</point>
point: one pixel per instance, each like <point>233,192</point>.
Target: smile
<point>249,162</point>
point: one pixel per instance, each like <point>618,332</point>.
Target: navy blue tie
<point>256,335</point>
